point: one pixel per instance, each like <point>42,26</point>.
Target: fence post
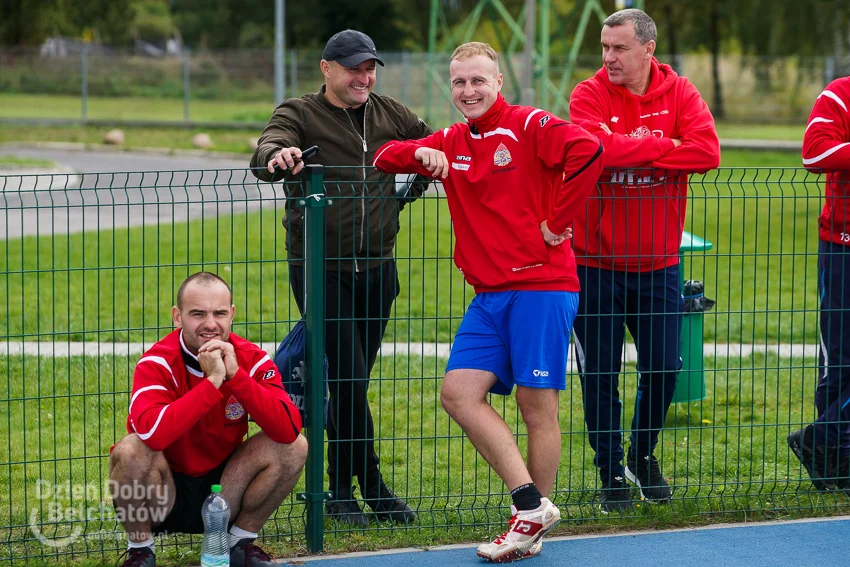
<point>293,72</point>
<point>186,83</point>
<point>314,301</point>
<point>84,88</point>
<point>405,63</point>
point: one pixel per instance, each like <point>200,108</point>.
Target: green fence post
<point>314,270</point>
<point>690,383</point>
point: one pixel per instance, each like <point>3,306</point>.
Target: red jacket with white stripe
<point>826,147</point>
<point>175,409</point>
<point>510,169</point>
<point>635,222</point>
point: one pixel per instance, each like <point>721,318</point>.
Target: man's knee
<point>295,454</point>
<point>539,407</point>
<point>131,451</point>
<point>452,397</point>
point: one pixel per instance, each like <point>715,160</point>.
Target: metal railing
<point>89,264</point>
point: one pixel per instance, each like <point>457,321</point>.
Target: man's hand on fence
<point>434,161</point>
<point>553,239</point>
<point>225,350</point>
<point>287,158</point>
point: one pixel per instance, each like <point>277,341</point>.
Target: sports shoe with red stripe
<point>527,528</point>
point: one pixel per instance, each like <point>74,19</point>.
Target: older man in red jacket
<point>656,129</point>
<point>515,177</point>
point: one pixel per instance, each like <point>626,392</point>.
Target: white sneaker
<point>534,550</point>
<point>526,530</point>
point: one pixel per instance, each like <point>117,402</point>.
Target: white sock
<point>237,534</point>
<point>138,545</point>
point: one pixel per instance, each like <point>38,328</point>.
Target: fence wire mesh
<point>90,263</point>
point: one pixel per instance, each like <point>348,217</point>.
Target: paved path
<point>158,189</point>
<point>165,189</point>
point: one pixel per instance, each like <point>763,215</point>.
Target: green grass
<point>131,108</point>
<point>762,131</point>
<point>726,455</point>
<point>117,285</point>
<point>16,162</point>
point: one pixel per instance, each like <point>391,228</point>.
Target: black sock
<point>526,497</point>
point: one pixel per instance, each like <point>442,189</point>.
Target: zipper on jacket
<point>363,169</point>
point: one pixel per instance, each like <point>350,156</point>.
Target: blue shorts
<point>523,337</point>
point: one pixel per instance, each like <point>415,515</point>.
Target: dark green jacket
<point>362,222</point>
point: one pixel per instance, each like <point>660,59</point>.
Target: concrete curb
<point>725,143</point>
<point>440,350</point>
<point>34,179</point>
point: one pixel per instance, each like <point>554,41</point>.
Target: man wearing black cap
<point>348,123</point>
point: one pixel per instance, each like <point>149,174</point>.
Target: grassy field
<point>131,108</point>
<point>15,162</point>
<point>224,110</point>
<point>725,456</point>
<point>116,285</point>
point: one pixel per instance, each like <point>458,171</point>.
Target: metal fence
<point>236,88</point>
<point>89,264</point>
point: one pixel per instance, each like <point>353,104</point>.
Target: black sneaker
<point>615,496</point>
<point>646,474</point>
<point>138,557</point>
<point>246,554</point>
<point>814,458</point>
<point>346,510</point>
<point>388,506</point>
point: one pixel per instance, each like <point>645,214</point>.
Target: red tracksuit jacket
<point>510,169</point>
<point>826,147</point>
<point>175,409</point>
<point>635,222</point>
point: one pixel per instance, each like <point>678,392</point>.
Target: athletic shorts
<point>523,337</point>
<point>185,516</point>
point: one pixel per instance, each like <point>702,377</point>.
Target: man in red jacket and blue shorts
<point>192,394</point>
<point>515,177</point>
<point>656,129</point>
<point>824,446</point>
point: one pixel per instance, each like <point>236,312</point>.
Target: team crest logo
<point>502,157</point>
<point>641,133</point>
<point>233,410</point>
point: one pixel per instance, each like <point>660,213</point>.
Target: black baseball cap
<point>350,48</point>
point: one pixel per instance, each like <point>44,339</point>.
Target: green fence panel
<point>89,264</point>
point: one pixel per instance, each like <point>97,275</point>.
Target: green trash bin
<point>690,384</point>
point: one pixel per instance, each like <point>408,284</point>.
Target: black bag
<point>289,360</point>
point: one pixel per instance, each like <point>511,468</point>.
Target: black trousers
<point>357,309</point>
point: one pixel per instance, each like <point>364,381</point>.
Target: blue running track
<point>804,543</point>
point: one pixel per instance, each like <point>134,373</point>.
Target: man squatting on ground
<point>192,394</point>
<point>515,177</point>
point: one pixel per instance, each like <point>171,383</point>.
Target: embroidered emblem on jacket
<point>502,157</point>
<point>233,410</point>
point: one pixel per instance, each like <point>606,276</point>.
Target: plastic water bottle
<point>215,551</point>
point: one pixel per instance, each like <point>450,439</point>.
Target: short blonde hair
<point>474,48</point>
